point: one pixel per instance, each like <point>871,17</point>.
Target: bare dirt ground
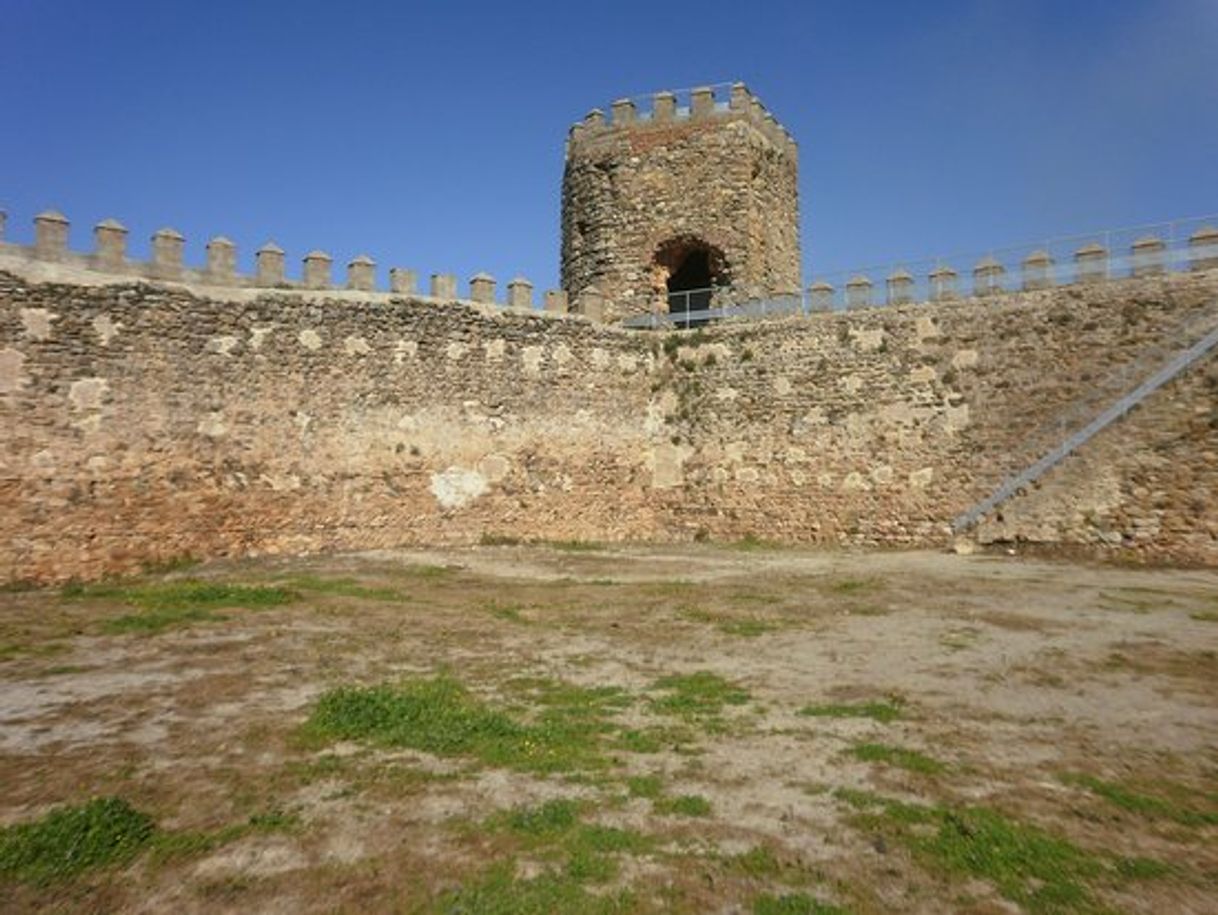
<point>698,729</point>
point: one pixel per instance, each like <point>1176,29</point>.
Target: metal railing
<point>1109,254</point>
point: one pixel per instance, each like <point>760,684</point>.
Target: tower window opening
<point>691,270</point>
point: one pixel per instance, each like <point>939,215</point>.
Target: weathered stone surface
<point>150,421</point>
<point>639,195</point>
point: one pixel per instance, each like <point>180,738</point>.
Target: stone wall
<point>721,176</point>
<point>140,421</point>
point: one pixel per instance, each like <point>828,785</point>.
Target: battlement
<point>51,253</point>
<point>719,103</point>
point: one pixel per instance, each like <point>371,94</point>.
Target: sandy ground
<point>1011,673</point>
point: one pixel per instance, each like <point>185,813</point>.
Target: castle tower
<point>659,204</point>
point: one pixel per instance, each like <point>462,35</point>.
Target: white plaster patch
<point>851,383</point>
<point>457,486</point>
<point>668,465</point>
<point>406,349</point>
<point>923,374</point>
<point>408,423</point>
<point>212,425</point>
<point>854,482</point>
<point>309,339</point>
<point>798,477</point>
<point>258,336</point>
<point>956,418</point>
<point>530,359</point>
<point>105,328</point>
<point>867,340</point>
<point>782,386</point>
<point>356,346</point>
<point>303,420</point>
<point>925,329</point>
<point>627,363</point>
<point>747,475</point>
<point>36,323</point>
<point>222,345</point>
<point>797,456</point>
<point>494,467</point>
<point>494,350</point>
<point>726,395</point>
<point>562,355</point>
<point>965,359</point>
<point>454,351</point>
<point>44,461</point>
<point>12,371</point>
<point>600,358</point>
<point>920,479</point>
<point>88,393</point>
<point>825,480</point>
<point>882,475</point>
<point>734,451</point>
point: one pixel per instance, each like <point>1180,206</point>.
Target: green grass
<point>105,832</point>
<point>700,696</point>
<point>1205,616</point>
<point>686,805</point>
<point>173,846</point>
<point>793,904</point>
<point>1040,872</point>
<point>1145,805</point>
<point>902,758</point>
<point>649,786</point>
<point>343,587</point>
<point>440,716</point>
<point>501,892</point>
<point>884,710</point>
<point>161,605</point>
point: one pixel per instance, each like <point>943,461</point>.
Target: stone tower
<point>682,197</point>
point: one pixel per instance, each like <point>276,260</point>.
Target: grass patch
<point>574,546</point>
<point>793,904</point>
<point>853,585</point>
<point>1205,616</point>
<point>173,846</point>
<point>700,696</point>
<point>501,892</point>
<point>1035,869</point>
<point>162,605</point>
<point>105,832</point>
<point>648,786</point>
<point>686,805</point>
<point>1145,805</point>
<point>440,716</point>
<point>343,587</point>
<point>750,543</point>
<point>749,629</point>
<point>885,710</point>
<point>510,612</point>
<point>901,757</point>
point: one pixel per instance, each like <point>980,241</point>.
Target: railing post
<point>1037,271</point>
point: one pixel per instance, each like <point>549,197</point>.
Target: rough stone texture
<point>636,192</point>
<point>141,421</point>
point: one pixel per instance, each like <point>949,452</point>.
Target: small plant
<point>166,604</point>
<point>1146,805</point>
<point>104,832</point>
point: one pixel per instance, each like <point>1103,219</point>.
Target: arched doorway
<point>690,269</point>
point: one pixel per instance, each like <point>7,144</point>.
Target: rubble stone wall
<point>142,421</point>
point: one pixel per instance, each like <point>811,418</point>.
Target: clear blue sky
<point>430,135</point>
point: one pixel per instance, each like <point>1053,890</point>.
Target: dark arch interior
<point>693,269</point>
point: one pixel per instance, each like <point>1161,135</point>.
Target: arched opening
<point>690,270</point>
